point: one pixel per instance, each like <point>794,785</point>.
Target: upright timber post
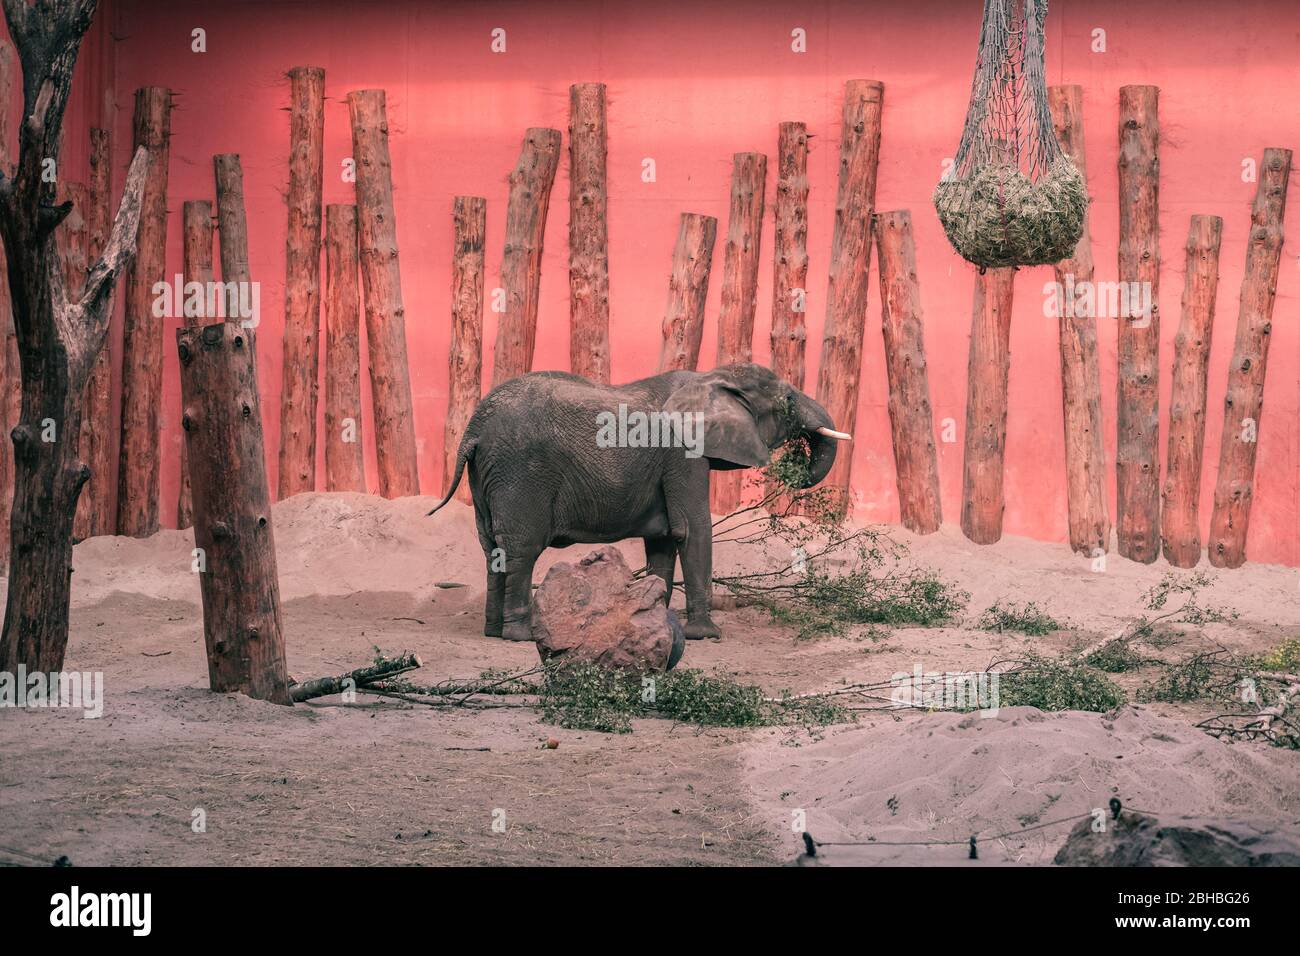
<point>345,462</point>
<point>588,234</point>
<point>790,254</point>
<point>196,226</point>
<point>465,372</point>
<point>982,500</point>
<point>688,288</point>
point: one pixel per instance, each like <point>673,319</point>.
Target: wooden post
<point>1179,519</point>
<point>790,254</point>
<point>232,227</point>
<point>72,242</point>
<point>846,298</point>
<point>345,461</point>
<point>232,512</point>
<point>98,415</point>
<point>982,500</point>
<point>588,234</point>
<point>911,423</point>
<point>196,226</point>
<point>381,276</point>
<point>688,287</point>
<point>739,291</point>
<point>465,364</point>
<point>1085,453</point>
<point>1137,453</point>
<point>137,486</point>
<point>301,364</point>
<point>521,265</point>
<point>11,384</point>
<point>1243,404</point>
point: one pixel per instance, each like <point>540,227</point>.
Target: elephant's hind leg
<point>496,576</point>
<point>516,608</point>
<point>661,559</point>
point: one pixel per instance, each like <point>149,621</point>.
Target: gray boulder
<point>1138,840</point>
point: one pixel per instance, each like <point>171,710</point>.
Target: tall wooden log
<point>521,265</point>
<point>196,231</point>
<point>72,243</point>
<point>790,254</point>
<point>840,370</point>
<point>1243,404</point>
<point>1180,528</point>
<point>138,469</point>
<point>911,422</point>
<point>345,461</point>
<point>982,502</point>
<point>688,288</point>
<point>99,454</point>
<point>232,229</point>
<point>739,291</point>
<point>301,363</point>
<point>588,234</point>
<point>1085,453</point>
<point>232,512</point>
<point>11,383</point>
<point>1137,452</point>
<point>465,364</point>
<point>381,276</point>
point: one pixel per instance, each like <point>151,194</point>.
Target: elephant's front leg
<point>697,566</point>
<point>661,559</point>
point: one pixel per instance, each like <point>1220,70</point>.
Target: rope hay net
<point>1012,197</point>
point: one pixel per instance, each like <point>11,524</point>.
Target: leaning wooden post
<point>222,420</point>
<point>232,229</point>
<point>982,501</point>
<point>911,423</point>
<point>521,265</point>
<point>790,254</point>
<point>196,226</point>
<point>99,455</point>
<point>739,291</point>
<point>72,241</point>
<point>1180,528</point>
<point>1137,451</point>
<point>137,485</point>
<point>381,276</point>
<point>588,234</point>
<point>11,384</point>
<point>465,363</point>
<point>688,288</point>
<point>345,462</point>
<point>301,363</point>
<point>1085,452</point>
<point>840,369</point>
<point>1243,404</point>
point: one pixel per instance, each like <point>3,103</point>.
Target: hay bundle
<point>996,216</point>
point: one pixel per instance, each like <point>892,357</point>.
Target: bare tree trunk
<point>60,334</point>
<point>790,254</point>
<point>232,229</point>
<point>232,512</point>
<point>688,287</point>
<point>521,265</point>
<point>70,239</point>
<point>911,421</point>
<point>301,364</point>
<point>1085,452</point>
<point>11,379</point>
<point>840,370</point>
<point>196,223</point>
<point>982,502</point>
<point>588,234</point>
<point>1234,492</point>
<point>739,292</point>
<point>1179,518</point>
<point>345,460</point>
<point>137,486</point>
<point>99,393</point>
<point>1137,453</point>
<point>465,372</point>
<point>381,275</point>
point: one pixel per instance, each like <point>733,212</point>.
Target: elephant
<point>555,459</point>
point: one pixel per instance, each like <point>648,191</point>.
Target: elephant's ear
<point>730,432</point>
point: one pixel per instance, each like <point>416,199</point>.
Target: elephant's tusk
<point>831,433</point>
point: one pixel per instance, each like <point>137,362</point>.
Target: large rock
<point>1139,840</point>
<point>595,610</point>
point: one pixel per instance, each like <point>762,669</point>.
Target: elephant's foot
<point>699,628</point>
<point>517,631</point>
<point>492,629</point>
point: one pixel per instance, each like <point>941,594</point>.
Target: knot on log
<point>211,334</point>
<point>20,435</point>
<point>220,531</point>
<point>187,420</point>
<point>183,350</point>
<point>246,411</point>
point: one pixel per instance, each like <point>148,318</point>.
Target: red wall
<point>690,83</point>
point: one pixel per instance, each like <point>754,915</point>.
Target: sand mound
<point>945,776</point>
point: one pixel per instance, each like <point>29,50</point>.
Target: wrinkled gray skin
<point>540,480</point>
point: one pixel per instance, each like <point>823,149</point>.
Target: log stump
<point>982,502</point>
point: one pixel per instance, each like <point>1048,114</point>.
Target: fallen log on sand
<point>381,670</point>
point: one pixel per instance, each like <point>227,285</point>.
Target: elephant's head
<point>748,412</point>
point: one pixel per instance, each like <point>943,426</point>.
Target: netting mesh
<point>1012,197</point>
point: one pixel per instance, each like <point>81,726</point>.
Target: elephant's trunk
<point>821,446</point>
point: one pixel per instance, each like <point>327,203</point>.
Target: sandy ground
<point>387,782</point>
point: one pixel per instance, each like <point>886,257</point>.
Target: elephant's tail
<point>466,451</point>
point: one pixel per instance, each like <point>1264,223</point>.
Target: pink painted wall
<point>690,83</point>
